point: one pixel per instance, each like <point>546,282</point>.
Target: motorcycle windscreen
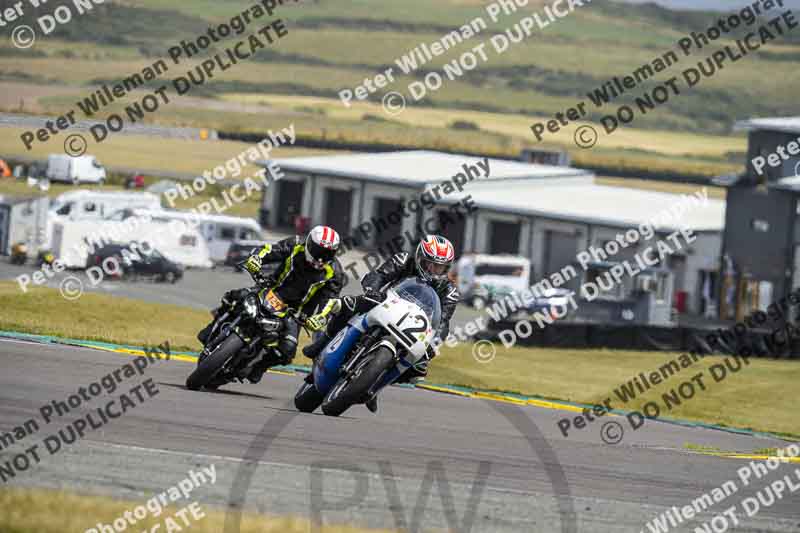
<point>411,313</point>
<point>423,296</point>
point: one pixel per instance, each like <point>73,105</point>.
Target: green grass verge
<point>45,511</point>
<point>99,317</point>
<point>754,398</point>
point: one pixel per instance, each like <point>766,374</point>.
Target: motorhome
<point>218,231</point>
<point>85,168</point>
<point>483,277</point>
<point>86,204</point>
<point>23,220</point>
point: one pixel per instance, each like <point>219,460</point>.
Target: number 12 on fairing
<point>407,334</point>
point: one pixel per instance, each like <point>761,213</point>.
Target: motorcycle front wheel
<point>308,398</point>
<point>347,392</point>
<point>210,365</point>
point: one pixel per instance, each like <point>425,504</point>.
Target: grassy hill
<point>332,46</point>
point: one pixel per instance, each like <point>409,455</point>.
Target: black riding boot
<point>258,370</point>
<point>313,350</point>
<point>202,336</point>
<point>372,404</point>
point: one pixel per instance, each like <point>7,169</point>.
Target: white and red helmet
<point>434,257</point>
<point>321,246</point>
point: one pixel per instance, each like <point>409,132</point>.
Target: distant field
<point>499,135</point>
<point>248,208</point>
<point>150,154</point>
<point>717,193</point>
<point>331,46</point>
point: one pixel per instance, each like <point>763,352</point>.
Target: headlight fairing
<point>251,306</point>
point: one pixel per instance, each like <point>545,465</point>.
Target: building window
<point>602,280</point>
<point>661,288</point>
<point>759,225</point>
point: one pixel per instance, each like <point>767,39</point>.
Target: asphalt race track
<point>428,461</point>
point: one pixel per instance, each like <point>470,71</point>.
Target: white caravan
<point>23,219</point>
<point>219,231</point>
<point>86,204</point>
<point>75,240</point>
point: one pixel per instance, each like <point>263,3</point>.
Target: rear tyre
<point>308,398</point>
<point>346,393</point>
<point>210,366</point>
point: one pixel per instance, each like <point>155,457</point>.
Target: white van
<point>482,276</point>
<point>219,231</point>
<point>85,168</point>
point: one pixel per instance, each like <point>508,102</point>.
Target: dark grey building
<point>548,214</point>
<point>761,243</point>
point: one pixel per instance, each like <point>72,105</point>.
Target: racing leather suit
<point>294,284</point>
<point>398,267</point>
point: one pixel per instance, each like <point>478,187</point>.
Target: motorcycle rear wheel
<point>210,366</point>
<point>348,392</point>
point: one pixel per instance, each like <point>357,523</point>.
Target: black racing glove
<point>373,294</point>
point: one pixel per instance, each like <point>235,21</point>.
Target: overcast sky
<point>718,5</point>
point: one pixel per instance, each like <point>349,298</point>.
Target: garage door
<point>560,251</point>
<point>452,226</point>
<point>290,201</point>
<point>338,206</point>
<point>504,237</point>
<point>387,231</point>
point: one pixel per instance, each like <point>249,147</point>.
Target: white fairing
<point>406,321</point>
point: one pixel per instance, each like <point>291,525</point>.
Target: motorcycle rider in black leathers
<point>431,262</point>
<point>308,274</point>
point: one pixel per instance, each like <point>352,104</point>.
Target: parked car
<point>549,303</point>
<point>482,277</point>
<point>556,297</point>
<point>239,251</point>
<point>136,265</point>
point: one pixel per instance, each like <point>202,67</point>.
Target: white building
<point>546,213</point>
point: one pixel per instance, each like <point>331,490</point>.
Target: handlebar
<point>258,277</point>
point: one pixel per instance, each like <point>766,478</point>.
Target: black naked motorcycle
<point>240,337</point>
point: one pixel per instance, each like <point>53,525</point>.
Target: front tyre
<point>347,392</point>
<point>211,364</point>
<point>308,398</point>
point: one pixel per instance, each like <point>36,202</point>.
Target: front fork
<point>216,336</point>
<point>388,377</point>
